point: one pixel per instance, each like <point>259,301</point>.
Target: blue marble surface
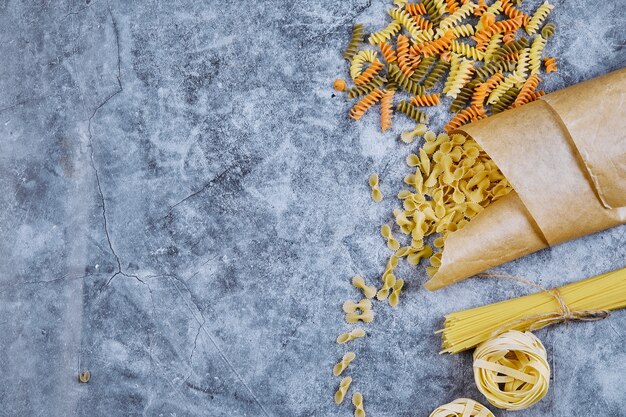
<point>184,202</point>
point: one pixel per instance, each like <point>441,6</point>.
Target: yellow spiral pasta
<point>512,370</point>
<point>462,407</point>
<point>385,34</point>
<point>460,14</point>
<point>462,31</point>
<point>509,81</point>
<point>467,50</point>
<point>538,18</point>
<point>492,46</point>
<point>406,20</point>
<point>356,66</point>
<point>460,73</point>
<point>536,50</point>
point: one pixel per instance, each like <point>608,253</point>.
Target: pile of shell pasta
<point>486,58</point>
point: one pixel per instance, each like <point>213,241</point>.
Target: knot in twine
<point>537,321</point>
<point>512,370</point>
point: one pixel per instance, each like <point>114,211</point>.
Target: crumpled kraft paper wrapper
<point>565,156</point>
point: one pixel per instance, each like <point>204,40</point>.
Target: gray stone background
<point>184,202</point>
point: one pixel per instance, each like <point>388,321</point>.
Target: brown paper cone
<point>565,156</point>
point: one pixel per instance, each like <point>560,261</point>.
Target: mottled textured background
<point>183,202</point>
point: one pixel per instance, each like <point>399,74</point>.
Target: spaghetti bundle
<point>583,300</point>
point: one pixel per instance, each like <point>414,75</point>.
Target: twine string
<point>537,321</point>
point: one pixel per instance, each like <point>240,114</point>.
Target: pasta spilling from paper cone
<point>583,193</point>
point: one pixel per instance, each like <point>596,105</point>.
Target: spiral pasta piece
<point>457,16</point>
<point>386,110</point>
<point>512,370</point>
<point>359,282</point>
<point>521,69</point>
<point>385,34</point>
<point>536,50</point>
<point>481,92</point>
<point>438,45</point>
<point>404,81</point>
<point>492,46</point>
<point>435,75</point>
<point>351,335</point>
<point>426,100</point>
<point>412,111</point>
<point>359,59</point>
<point>388,53</point>
<point>486,20</point>
<point>361,90</point>
<point>406,20</point>
<point>420,71</point>
<point>405,62</point>
<point>343,364</point>
<point>369,74</point>
<point>463,117</point>
<point>506,100</point>
<point>462,407</point>
<point>492,67</point>
<point>509,25</point>
<point>467,51</point>
<point>433,10</point>
<point>527,92</point>
<point>464,96</point>
<point>550,64</point>
<point>358,35</point>
<point>511,12</point>
<point>344,385</point>
<point>415,9</point>
<point>365,103</point>
<point>462,31</point>
<point>423,24</point>
<point>509,81</point>
<point>538,17</point>
<point>459,75</point>
<point>548,30</point>
<point>510,48</point>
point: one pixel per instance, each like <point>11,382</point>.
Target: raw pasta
<point>365,103</point>
<point>357,38</point>
<point>386,110</point>
<point>550,64</point>
<point>394,297</point>
<point>412,111</point>
<point>359,282</point>
<point>357,401</point>
<point>351,335</point>
<point>387,33</point>
<point>392,243</point>
<point>351,306</point>
<point>462,407</point>
<point>426,100</point>
<point>377,195</point>
<point>538,18</point>
<point>512,370</point>
<point>343,364</point>
<point>344,385</point>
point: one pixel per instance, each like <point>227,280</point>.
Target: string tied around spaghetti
<point>537,321</point>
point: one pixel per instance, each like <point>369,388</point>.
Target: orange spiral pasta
<point>464,117</point>
<point>406,63</point>
<point>367,75</point>
<point>508,37</point>
<point>452,6</point>
<point>426,100</point>
<point>386,110</point>
<point>498,27</point>
<point>422,23</point>
<point>480,8</point>
<point>550,64</point>
<point>511,12</point>
<point>527,93</point>
<point>487,19</point>
<point>438,45</point>
<point>365,103</point>
<point>388,53</point>
<point>446,56</point>
<point>483,89</point>
<point>415,9</point>
<point>539,93</point>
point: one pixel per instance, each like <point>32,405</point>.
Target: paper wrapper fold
<point>565,156</point>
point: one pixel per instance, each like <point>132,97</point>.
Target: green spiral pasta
<point>361,90</point>
<point>509,82</point>
<point>420,72</point>
<point>438,71</point>
<point>412,111</point>
<point>464,96</point>
<point>509,48</point>
<point>548,30</point>
<point>404,81</point>
<point>505,100</point>
<point>491,68</point>
<point>358,35</point>
<point>433,11</point>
